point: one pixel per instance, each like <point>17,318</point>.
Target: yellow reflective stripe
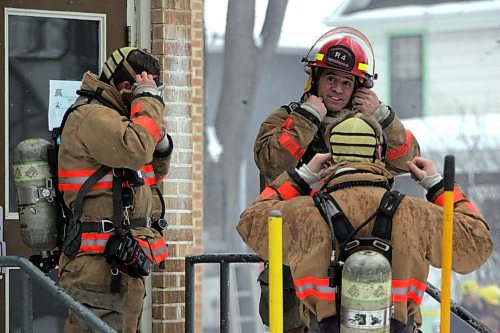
<point>319,56</point>
<point>362,67</point>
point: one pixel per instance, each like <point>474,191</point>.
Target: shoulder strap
<point>98,174</point>
<point>387,208</point>
<point>338,223</point>
<point>57,131</point>
<point>291,107</point>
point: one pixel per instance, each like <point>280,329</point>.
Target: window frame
<point>100,18</point>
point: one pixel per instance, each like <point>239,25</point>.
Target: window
<point>406,76</point>
<point>43,46</point>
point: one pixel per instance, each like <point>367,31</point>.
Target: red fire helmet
<point>344,49</point>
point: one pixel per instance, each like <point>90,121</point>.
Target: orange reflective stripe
<point>145,247</point>
<point>268,192</point>
<point>149,125</point>
<point>94,242</point>
<point>402,150</point>
<point>402,290</point>
<point>148,174</point>
<point>457,196</point>
<point>291,145</point>
<point>160,250</point>
<point>471,207</point>
<point>287,124</point>
<point>72,180</point>
<point>157,250</point>
<point>147,168</point>
<point>76,187</point>
<point>135,108</point>
<point>288,191</point>
<point>316,287</point>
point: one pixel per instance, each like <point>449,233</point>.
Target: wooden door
<point>44,41</point>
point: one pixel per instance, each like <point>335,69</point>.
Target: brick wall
<point>177,39</point>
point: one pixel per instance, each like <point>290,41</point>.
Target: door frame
<point>113,19</point>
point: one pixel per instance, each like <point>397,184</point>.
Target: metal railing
<point>223,259</point>
<point>36,274</point>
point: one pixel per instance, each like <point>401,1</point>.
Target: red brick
<point>179,235</point>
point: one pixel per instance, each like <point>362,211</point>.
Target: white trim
<point>7,297</point>
<point>100,18</point>
<point>139,21</point>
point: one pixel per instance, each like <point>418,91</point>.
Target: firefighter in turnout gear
<point>356,179</point>
<point>113,152</point>
<point>341,73</point>
<point>340,80</point>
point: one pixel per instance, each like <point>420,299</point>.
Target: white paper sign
<point>62,95</point>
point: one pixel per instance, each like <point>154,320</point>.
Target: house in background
<point>433,57</point>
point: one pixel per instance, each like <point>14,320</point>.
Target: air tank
<point>35,194</point>
<point>366,293</point>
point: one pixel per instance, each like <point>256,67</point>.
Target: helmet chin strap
<point>125,91</point>
<point>125,100</point>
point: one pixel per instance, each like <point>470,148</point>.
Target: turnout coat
<point>96,135</point>
<point>416,235</point>
<point>287,134</point>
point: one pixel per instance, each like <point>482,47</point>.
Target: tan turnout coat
<point>284,136</point>
<point>416,236</point>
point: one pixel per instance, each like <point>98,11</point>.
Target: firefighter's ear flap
<point>365,83</point>
<point>307,86</point>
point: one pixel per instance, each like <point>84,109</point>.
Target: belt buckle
<point>103,226</point>
<point>149,221</point>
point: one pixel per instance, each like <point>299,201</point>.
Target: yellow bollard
<point>275,273</point>
<point>449,184</point>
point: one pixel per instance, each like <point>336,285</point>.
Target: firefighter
<point>358,181</point>
<point>341,74</point>
<point>471,302</point>
<point>340,80</point>
<point>490,295</point>
<point>111,243</point>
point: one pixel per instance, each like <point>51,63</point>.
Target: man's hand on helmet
<point>145,83</point>
<point>315,106</point>
<point>365,101</point>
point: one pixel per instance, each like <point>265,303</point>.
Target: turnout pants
<point>88,279</point>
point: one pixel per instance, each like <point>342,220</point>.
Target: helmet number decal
<point>341,57</point>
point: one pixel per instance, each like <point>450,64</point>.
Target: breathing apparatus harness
<point>122,251</point>
<point>344,233</point>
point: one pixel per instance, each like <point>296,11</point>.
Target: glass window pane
<point>406,76</point>
<point>42,49</point>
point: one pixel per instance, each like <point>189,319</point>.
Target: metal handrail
<point>223,259</point>
<point>83,312</point>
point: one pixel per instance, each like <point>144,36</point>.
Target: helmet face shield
<point>343,49</point>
